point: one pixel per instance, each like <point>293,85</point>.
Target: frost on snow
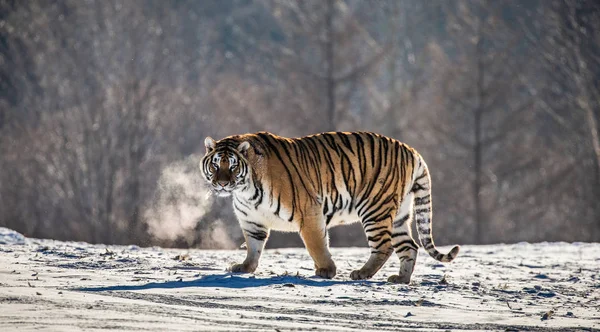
<point>59,286</point>
<point>8,236</point>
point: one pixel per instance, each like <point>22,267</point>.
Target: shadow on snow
<point>229,280</point>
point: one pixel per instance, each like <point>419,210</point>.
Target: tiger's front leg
<point>256,236</point>
<point>315,237</point>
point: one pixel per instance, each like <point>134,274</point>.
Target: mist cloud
<point>181,199</point>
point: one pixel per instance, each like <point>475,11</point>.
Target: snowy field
<point>49,285</point>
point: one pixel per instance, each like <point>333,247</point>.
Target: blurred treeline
<point>99,99</point>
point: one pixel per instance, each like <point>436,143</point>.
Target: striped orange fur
<point>312,183</point>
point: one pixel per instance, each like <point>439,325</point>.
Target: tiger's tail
<point>423,213</point>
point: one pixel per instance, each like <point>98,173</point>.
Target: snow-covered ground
<point>66,286</point>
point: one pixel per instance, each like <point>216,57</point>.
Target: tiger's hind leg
<point>378,231</point>
<point>403,242</point>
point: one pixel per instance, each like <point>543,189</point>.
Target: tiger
<point>312,183</point>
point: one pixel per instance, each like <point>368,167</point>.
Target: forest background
<point>104,106</point>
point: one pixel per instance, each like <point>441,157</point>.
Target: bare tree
<point>101,102</point>
<point>569,41</point>
<point>326,54</point>
<point>93,156</point>
<point>481,74</point>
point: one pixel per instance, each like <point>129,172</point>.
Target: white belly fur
<point>265,216</point>
<point>271,221</point>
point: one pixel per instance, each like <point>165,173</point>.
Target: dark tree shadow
<point>229,280</point>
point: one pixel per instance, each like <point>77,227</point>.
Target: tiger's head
<point>225,165</point>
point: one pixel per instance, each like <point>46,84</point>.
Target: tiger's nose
<point>222,183</point>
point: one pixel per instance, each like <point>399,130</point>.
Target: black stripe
<point>291,157</point>
<point>422,228</point>
<point>375,228</point>
<point>237,208</point>
<point>424,210</point>
<point>360,153</point>
<point>417,187</point>
<point>386,240</point>
<point>260,198</point>
<point>422,200</point>
<point>378,237</point>
<point>242,204</point>
<point>258,235</point>
<point>346,141</point>
<point>403,249</point>
<point>384,143</point>
<point>372,210</point>
<point>400,222</point>
<point>255,224</point>
<point>424,174</point>
<point>402,166</point>
<point>274,150</point>
<point>328,219</point>
<point>278,205</point>
<point>410,243</point>
<point>372,142</point>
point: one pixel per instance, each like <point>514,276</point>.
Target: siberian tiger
<point>311,183</point>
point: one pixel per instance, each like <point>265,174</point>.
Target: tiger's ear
<point>243,148</point>
<point>209,143</point>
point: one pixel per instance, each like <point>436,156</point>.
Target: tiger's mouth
<point>222,192</point>
<point>225,190</point>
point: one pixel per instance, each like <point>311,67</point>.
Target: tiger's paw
<point>327,272</point>
<point>360,275</point>
<point>242,268</point>
<point>396,279</point>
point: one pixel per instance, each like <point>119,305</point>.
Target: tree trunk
<point>391,114</point>
<point>477,146</point>
<point>593,127</point>
<point>330,66</point>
